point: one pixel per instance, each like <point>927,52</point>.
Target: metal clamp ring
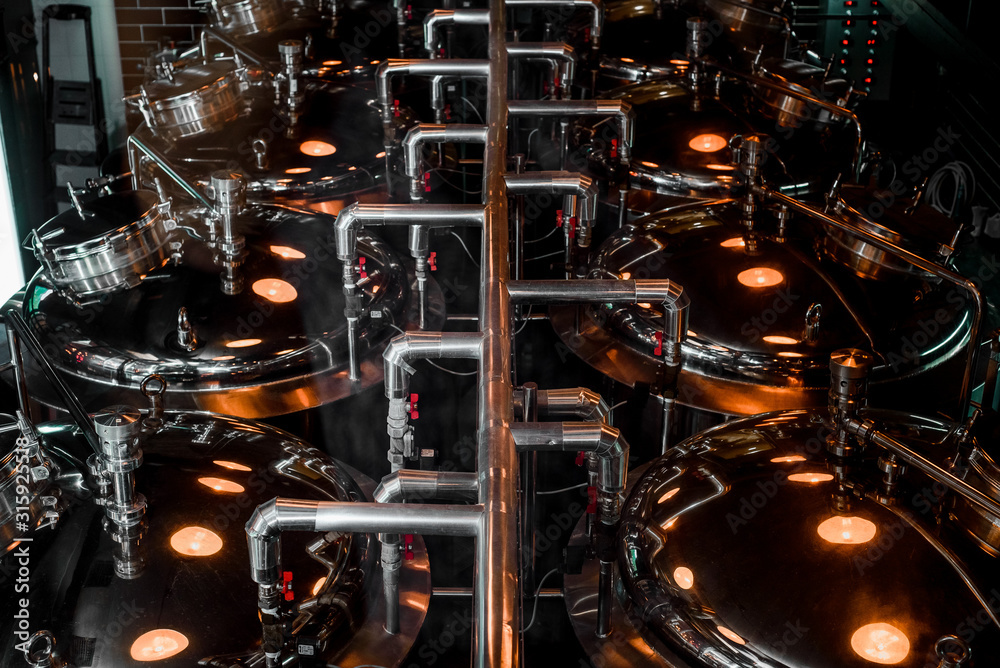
<point>40,656</point>
<point>944,649</point>
<point>144,386</point>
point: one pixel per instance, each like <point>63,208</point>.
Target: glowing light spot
<point>708,143</point>
<point>719,167</point>
<point>317,148</point>
<point>760,277</point>
<point>331,63</point>
<point>787,459</point>
<point>285,352</point>
<point>692,334</point>
<point>669,494</point>
<point>880,643</point>
<point>380,154</point>
<point>242,343</point>
<point>628,60</point>
<point>679,62</point>
<point>683,577</point>
<point>671,523</point>
<point>787,353</point>
<point>735,242</point>
<point>196,542</point>
<point>651,165</point>
<point>645,305</point>
<point>158,644</point>
<point>232,466</point>
<point>288,252</point>
<point>626,275</point>
<point>298,170</point>
<point>846,530</point>
<point>223,358</point>
<point>730,635</point>
<point>319,585</point>
<point>275,290</point>
<point>810,477</point>
<point>782,340</point>
<point>221,485</point>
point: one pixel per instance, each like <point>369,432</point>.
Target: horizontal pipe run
<point>578,402</point>
<point>428,68</point>
<point>619,109</point>
<point>272,518</point>
<point>561,183</point>
<point>414,485</point>
<point>454,592</point>
<point>439,18</point>
<point>672,296</point>
<point>358,215</point>
<point>560,57</point>
<point>425,133</point>
<point>412,346</point>
<point>867,432</point>
<point>596,8</point>
<point>603,440</point>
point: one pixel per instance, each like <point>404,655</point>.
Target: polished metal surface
<point>193,100</point>
<point>275,347</point>
<point>330,151</point>
<point>203,476</point>
<point>707,571</point>
<point>109,244</point>
<point>242,18</point>
<point>746,351</point>
<point>751,25</point>
<point>790,111</point>
<point>924,231</point>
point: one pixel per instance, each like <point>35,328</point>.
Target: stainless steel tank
<point>330,148</point>
<point>251,324</point>
<point>681,145</point>
<point>750,545</point>
<point>767,309</point>
<point>174,587</point>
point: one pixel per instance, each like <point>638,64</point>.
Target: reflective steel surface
<point>750,348</point>
<point>332,148</point>
<point>277,346</point>
<point>192,600</point>
<point>747,546</point>
<point>108,245</point>
<point>194,100</point>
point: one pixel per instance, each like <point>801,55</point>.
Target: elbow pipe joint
<point>595,6</point>
<point>578,401</point>
<point>560,57</point>
<point>423,345</point>
<point>430,68</point>
<point>415,485</point>
<point>560,183</point>
<point>424,133</point>
<point>445,17</point>
<point>676,307</point>
<point>264,531</point>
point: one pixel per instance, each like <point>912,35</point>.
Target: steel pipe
<point>569,184</point>
<point>439,18</point>
<point>406,485</point>
<point>619,109</point>
<point>428,68</point>
<point>357,215</point>
<point>596,7</point>
<point>578,402</point>
<point>412,346</point>
<point>496,637</point>
<point>868,433</point>
<point>135,146</point>
<point>269,520</point>
<point>560,57</point>
<point>423,133</point>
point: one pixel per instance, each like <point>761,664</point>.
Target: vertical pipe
<point>17,362</point>
<point>529,487</point>
<point>497,613</point>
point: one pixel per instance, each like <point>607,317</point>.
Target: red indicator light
<point>868,80</point>
<point>874,22</point>
<point>848,23</point>
<point>848,3</point>
<point>845,42</point>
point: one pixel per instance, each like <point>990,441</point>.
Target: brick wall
<point>143,25</point>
